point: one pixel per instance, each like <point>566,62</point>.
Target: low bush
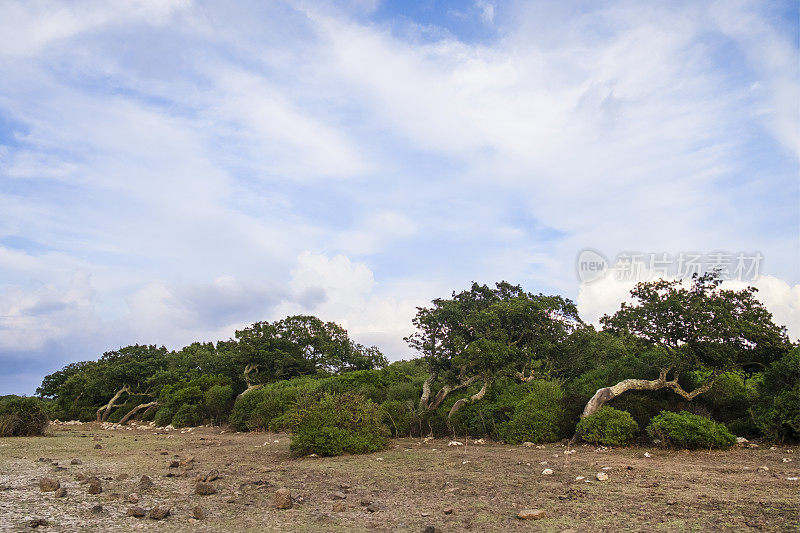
<point>164,416</point>
<point>776,411</point>
<point>539,417</point>
<point>609,427</point>
<point>187,415</point>
<point>22,417</point>
<point>218,401</point>
<point>336,423</point>
<point>687,430</point>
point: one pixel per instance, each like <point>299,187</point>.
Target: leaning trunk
<point>103,412</point>
<point>148,406</point>
<point>474,398</point>
<point>249,389</point>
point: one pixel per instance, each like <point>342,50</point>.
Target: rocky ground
<point>87,478</point>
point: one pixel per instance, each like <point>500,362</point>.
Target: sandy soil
<point>415,485</point>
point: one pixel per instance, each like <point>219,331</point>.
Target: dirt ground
<point>414,485</point>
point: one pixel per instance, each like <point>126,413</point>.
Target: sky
<point>174,170</point>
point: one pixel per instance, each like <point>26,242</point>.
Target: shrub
<point>218,400</point>
<point>336,423</point>
<point>609,427</point>
<point>399,416</point>
<point>687,430</point>
<point>538,417</point>
<point>776,411</point>
<point>22,417</point>
<point>164,416</point>
<point>187,415</point>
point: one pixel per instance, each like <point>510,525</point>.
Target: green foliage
<point>539,417</point>
<point>400,416</point>
<point>218,401</point>
<point>336,423</point>
<point>187,415</point>
<point>609,427</point>
<point>776,410</point>
<point>164,416</point>
<point>22,417</point>
<point>687,430</point>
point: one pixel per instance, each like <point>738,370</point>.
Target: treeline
<point>494,362</point>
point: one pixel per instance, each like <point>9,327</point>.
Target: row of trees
<point>494,360</point>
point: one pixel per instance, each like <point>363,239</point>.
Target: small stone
<point>648,454</point>
<point>344,486</point>
<point>547,472</point>
<point>339,507</point>
<point>36,522</point>
<point>198,513</point>
<point>580,478</point>
<point>159,513</point>
<point>48,484</point>
<point>601,476</point>
<point>61,492</point>
<point>204,489</point>
<point>95,487</point>
<point>76,462</point>
<point>429,529</point>
<point>136,512</point>
<point>145,482</point>
<point>764,468</point>
<point>98,447</point>
<point>174,463</point>
<point>164,452</point>
<point>374,507</point>
<point>187,461</point>
<point>339,495</point>
<point>365,501</point>
<point>97,509</point>
<point>212,476</point>
<point>122,477</point>
<point>531,514</point>
<point>283,499</point>
<point>449,510</point>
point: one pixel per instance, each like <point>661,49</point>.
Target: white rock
<point>528,444</point>
<point>787,460</point>
<point>580,478</point>
<point>455,443</point>
<point>741,440</point>
<point>569,452</point>
<point>547,472</point>
<point>792,478</point>
<point>648,454</point>
<point>601,476</point>
<point>764,468</point>
<point>542,463</point>
<point>607,468</point>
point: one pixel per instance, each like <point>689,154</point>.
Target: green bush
<point>776,411</point>
<point>539,417</point>
<point>687,430</point>
<point>164,416</point>
<point>218,401</point>
<point>609,427</point>
<point>22,417</point>
<point>187,415</point>
<point>400,417</point>
<point>336,423</point>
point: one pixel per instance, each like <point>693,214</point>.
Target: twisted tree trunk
<point>250,385</point>
<point>474,398</point>
<point>132,412</point>
<point>103,412</point>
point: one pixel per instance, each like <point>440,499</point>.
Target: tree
<point>482,333</point>
<point>701,328</point>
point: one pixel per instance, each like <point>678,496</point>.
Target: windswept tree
<point>295,346</point>
<point>701,328</point>
<point>483,333</point>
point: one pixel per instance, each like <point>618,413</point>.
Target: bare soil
<point>413,484</point>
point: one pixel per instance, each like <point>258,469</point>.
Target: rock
<point>648,454</point>
<point>449,510</point>
<point>97,509</point>
<point>741,441</point>
<point>764,468</point>
<point>528,444</point>
<point>145,482</point>
<point>283,499</point>
<point>76,462</point>
<point>174,463</point>
<point>455,443</point>
<point>212,476</point>
<point>430,529</point>
<point>122,477</point>
<point>80,477</point>
<point>61,492</point>
<point>36,522</point>
<point>198,513</point>
<point>98,447</point>
<point>580,478</point>
<point>374,507</point>
<point>344,486</point>
<point>163,452</point>
<point>339,507</point>
<point>95,487</point>
<point>133,498</point>
<point>159,513</point>
<point>48,484</point>
<point>187,461</point>
<point>601,476</point>
<point>204,489</point>
<point>531,514</point>
<point>365,501</point>
<point>339,495</point>
<point>136,512</point>
<point>547,472</point>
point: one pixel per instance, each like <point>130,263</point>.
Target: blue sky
<point>171,171</point>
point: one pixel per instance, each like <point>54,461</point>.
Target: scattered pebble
<point>601,476</point>
<point>531,514</point>
<point>547,472</point>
